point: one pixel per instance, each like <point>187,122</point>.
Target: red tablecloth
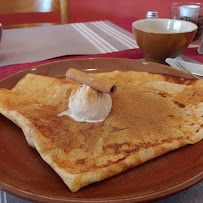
<point>131,54</point>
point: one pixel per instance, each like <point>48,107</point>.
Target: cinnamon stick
<point>96,83</point>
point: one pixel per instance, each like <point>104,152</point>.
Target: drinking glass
<point>200,47</point>
<point>189,11</point>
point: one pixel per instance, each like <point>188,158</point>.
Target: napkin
<point>191,67</point>
<point>26,45</point>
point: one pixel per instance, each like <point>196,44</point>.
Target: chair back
<point>28,13</point>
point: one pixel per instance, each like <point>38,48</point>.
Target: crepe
<point>152,114</point>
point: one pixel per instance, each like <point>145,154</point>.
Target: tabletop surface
<point>193,194</point>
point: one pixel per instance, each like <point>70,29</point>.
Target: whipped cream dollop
<point>88,105</point>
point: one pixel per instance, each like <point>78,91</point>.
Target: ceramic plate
<point>24,174</point>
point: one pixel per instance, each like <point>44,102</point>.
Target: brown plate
<point>24,174</point>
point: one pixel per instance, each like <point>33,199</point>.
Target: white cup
<point>191,11</point>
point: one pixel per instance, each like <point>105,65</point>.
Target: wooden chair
<point>29,13</point>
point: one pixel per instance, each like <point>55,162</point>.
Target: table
<point>131,54</point>
<point>194,194</point>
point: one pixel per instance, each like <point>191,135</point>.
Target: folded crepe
<point>152,114</point>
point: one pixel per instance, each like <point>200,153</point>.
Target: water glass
<point>200,47</point>
<point>189,11</point>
